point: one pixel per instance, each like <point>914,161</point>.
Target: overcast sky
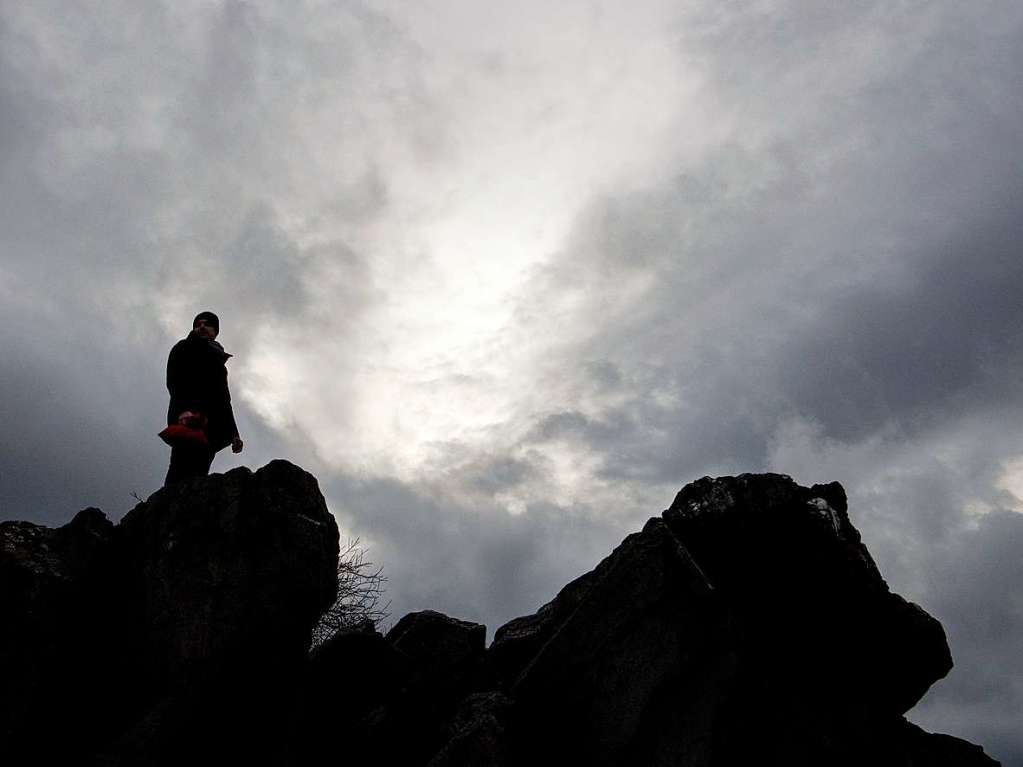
<point>505,279</point>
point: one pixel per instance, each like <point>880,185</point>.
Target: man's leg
<point>188,461</point>
<point>205,461</point>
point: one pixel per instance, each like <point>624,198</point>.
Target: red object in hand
<point>189,430</point>
<point>184,435</point>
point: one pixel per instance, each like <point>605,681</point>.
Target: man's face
<point>204,329</point>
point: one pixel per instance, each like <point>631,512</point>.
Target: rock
<point>748,625</point>
<point>445,650</point>
<point>181,633</point>
<point>477,735</point>
<point>916,747</point>
<point>225,578</point>
<point>51,655</point>
<point>633,673</point>
<point>445,661</point>
<point>389,699</point>
<point>349,677</point>
<point>518,641</point>
<point>788,556</point>
<point>238,562</point>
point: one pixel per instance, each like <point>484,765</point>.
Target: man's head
<point>206,324</point>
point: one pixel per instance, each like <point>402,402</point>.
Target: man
<point>197,382</point>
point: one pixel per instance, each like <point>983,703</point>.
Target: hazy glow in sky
<point>537,122</point>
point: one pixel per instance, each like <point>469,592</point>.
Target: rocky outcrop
<point>240,562</point>
<point>49,596</point>
<point>418,676</point>
<point>747,624</point>
<point>183,628</point>
<point>636,672</point>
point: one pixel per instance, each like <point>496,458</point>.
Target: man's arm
<point>231,426</point>
<point>181,380</point>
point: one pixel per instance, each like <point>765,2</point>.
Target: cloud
<point>982,611</point>
<point>506,278</point>
<point>470,559</point>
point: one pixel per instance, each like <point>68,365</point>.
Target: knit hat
<point>211,319</point>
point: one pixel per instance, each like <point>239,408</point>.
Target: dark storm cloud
<point>980,604</point>
<point>942,340</point>
<point>75,439</point>
<point>829,287</point>
<point>490,477</point>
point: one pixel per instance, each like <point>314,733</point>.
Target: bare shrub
<point>360,587</point>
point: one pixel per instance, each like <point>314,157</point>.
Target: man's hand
<point>192,419</point>
<point>237,445</point>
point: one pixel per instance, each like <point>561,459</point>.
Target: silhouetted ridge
<point>175,637</point>
<point>747,624</point>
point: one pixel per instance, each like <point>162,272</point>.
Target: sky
<point>506,278</point>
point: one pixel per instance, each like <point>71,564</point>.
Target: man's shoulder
<point>186,344</point>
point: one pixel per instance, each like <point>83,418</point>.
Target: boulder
<point>52,654</point>
<point>222,580</point>
<point>518,641</point>
<point>390,699</point>
<point>445,651</point>
<point>636,669</point>
<point>787,557</point>
<point>748,624</point>
<point>477,735</point>
<point>233,563</point>
<point>180,634</point>
<point>349,680</point>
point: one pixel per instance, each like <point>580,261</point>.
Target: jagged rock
<point>178,635</point>
<point>477,735</point>
<point>518,641</point>
<point>446,651</point>
<point>51,655</point>
<point>917,747</point>
<point>788,556</point>
<point>445,660</point>
<point>607,686</point>
<point>371,667</point>
<point>390,699</point>
<point>225,578</point>
<point>350,676</point>
<point>748,625</point>
<point>235,561</point>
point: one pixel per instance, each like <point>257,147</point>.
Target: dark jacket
<point>197,381</point>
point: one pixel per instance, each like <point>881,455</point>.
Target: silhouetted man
<point>197,382</point>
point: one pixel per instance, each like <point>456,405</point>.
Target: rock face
<point>746,625</point>
<point>418,674</point>
<point>49,586</point>
<point>242,560</point>
<point>183,628</point>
